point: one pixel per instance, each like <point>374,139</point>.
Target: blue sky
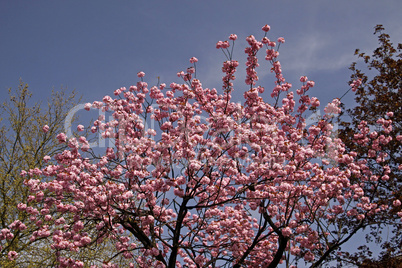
<point>98,46</point>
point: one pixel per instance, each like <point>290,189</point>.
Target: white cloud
<point>316,52</point>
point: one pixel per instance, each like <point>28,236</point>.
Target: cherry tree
<point>215,183</point>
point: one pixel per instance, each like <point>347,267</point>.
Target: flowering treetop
<point>215,183</point>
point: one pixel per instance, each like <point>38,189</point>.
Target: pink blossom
<point>225,44</point>
<point>266,28</point>
<point>295,251</point>
<point>87,106</point>
<point>333,107</point>
<point>396,203</point>
<point>193,60</point>
<point>356,84</point>
<point>390,114</point>
<point>309,256</point>
<point>233,37</point>
<point>303,79</point>
<point>286,231</point>
<point>62,137</point>
<point>281,40</point>
<point>140,74</point>
<point>45,128</point>
<point>310,83</point>
<point>21,206</point>
<point>17,225</point>
<point>12,255</point>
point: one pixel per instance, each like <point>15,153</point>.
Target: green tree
<point>379,97</point>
